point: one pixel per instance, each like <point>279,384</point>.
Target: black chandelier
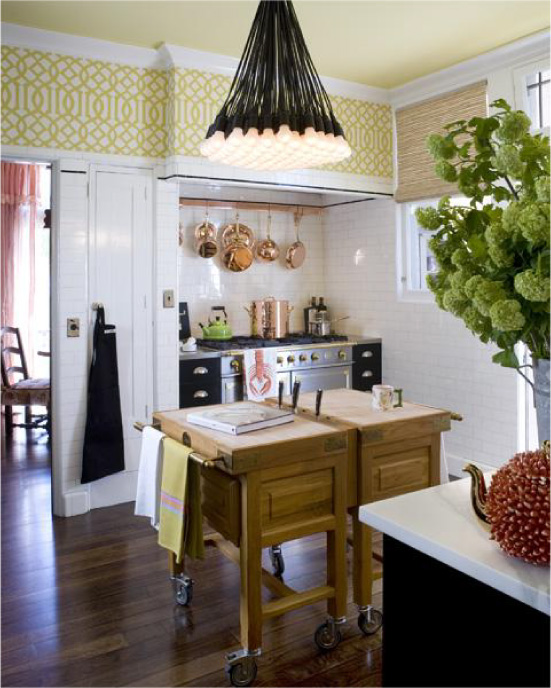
<point>277,114</point>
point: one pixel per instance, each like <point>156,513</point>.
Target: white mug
<point>382,397</point>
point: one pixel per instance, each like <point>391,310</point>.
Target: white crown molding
<point>185,58</point>
<point>464,73</point>
<point>79,46</point>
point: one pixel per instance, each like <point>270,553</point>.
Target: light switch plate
<point>168,298</point>
<point>73,327</point>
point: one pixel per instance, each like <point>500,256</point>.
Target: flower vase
<point>541,396</point>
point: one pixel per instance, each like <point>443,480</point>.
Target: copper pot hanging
<point>238,242</point>
<point>267,250</point>
<point>205,238</point>
<point>296,253</point>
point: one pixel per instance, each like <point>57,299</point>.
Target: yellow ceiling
<point>377,42</point>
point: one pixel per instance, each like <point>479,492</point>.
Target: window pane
<point>532,79</point>
<point>545,93</point>
<point>533,107</point>
<point>545,75</point>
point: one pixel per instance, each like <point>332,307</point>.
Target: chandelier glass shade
<point>277,114</point>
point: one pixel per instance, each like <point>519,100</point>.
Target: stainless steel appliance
<point>317,362</point>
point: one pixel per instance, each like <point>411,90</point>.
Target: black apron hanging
<point>103,452</point>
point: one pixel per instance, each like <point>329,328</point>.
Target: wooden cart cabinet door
<point>391,470</point>
<point>222,503</point>
<point>296,499</point>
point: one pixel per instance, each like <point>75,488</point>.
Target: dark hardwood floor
<point>86,601</point>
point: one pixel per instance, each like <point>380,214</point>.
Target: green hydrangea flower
<point>476,322</point>
<point>455,302</point>
<point>532,286</point>
<point>506,315</point>
<point>461,257</point>
<point>460,278</point>
<point>439,147</point>
<point>496,234</point>
<point>444,203</point>
<point>533,222</point>
<point>514,126</point>
<point>507,160</point>
<point>541,186</point>
<point>500,256</point>
<point>472,285</point>
<point>487,293</point>
<point>428,218</point>
<point>509,219</point>
<point>445,170</point>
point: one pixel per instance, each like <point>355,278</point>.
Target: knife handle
<point>319,395</point>
<point>280,394</point>
<point>296,391</point>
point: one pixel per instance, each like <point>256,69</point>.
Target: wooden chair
<point>24,391</point>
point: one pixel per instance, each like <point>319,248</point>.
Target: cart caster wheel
<point>184,593</point>
<point>278,563</point>
<point>327,636</point>
<point>242,673</point>
<point>370,622</point>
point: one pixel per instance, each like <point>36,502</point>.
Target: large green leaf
<point>506,358</point>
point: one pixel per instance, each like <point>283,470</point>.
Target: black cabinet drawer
<point>367,368</point>
<point>198,394</point>
<point>200,382</point>
<point>202,370</point>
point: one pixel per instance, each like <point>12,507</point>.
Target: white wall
<point>166,385</point>
<point>206,282</point>
<point>426,351</point>
<point>69,355</point>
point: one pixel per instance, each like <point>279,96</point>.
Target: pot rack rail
<point>262,206</point>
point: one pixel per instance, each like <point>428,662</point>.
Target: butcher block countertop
<point>354,407</point>
<point>253,450</point>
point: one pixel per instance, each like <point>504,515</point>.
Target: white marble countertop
<point>440,522</point>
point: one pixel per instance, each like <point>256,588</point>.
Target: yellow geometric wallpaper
<point>56,101</point>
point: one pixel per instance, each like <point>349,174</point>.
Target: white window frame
<point>521,88</point>
<point>408,266</point>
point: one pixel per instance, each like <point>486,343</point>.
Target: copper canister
<point>269,318</point>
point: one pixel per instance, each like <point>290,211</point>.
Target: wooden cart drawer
<point>402,472</point>
<point>296,499</point>
<point>222,503</point>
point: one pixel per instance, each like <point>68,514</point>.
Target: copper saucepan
<point>267,250</point>
<point>238,242</point>
<point>296,253</point>
<point>205,239</point>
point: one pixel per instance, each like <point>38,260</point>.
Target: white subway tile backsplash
<point>425,350</point>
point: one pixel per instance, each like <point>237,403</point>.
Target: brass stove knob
<point>290,359</point>
<point>303,357</point>
<point>235,364</point>
<point>280,359</point>
<point>315,357</point>
<point>342,354</point>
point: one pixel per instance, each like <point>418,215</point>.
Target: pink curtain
<point>20,197</point>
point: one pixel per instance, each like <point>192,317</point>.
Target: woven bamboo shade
<point>416,176</point>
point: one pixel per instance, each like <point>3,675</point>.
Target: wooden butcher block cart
<point>390,453</point>
<point>261,489</point>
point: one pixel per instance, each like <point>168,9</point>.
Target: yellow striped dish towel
<point>181,519</point>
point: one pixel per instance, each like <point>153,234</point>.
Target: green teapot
<point>218,330</point>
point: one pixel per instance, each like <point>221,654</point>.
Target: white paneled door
<point>121,265</point>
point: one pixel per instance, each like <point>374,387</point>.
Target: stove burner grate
<point>296,339</point>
